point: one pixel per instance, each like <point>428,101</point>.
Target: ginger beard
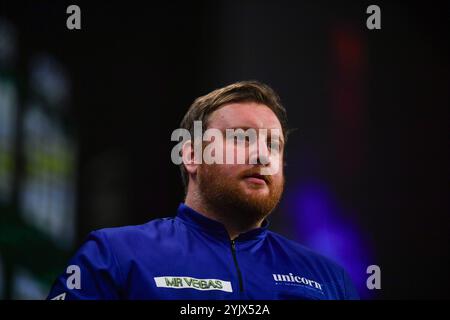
<point>232,195</point>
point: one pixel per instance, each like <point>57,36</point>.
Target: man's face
<point>242,186</point>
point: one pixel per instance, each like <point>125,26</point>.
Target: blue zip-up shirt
<point>191,257</point>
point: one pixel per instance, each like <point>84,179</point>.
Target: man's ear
<point>188,157</point>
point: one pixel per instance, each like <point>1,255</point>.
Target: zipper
<point>233,252</point>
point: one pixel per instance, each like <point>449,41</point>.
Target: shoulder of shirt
<point>302,251</point>
<point>150,229</point>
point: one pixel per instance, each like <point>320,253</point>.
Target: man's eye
<point>241,138</point>
<point>275,149</point>
<point>274,146</point>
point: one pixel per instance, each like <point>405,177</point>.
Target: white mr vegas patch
<point>192,283</point>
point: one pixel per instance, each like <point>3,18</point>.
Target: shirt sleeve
<point>92,273</point>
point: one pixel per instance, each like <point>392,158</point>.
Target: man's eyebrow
<point>237,127</point>
<point>246,128</point>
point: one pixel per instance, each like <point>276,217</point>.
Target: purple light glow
<point>321,225</point>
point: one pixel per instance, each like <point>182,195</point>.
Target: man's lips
<point>256,178</point>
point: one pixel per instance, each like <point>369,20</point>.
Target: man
<point>218,246</point>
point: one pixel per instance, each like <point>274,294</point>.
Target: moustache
<point>256,173</point>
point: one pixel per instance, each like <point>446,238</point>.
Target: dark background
<point>370,108</point>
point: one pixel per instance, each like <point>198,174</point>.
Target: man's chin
<point>259,194</point>
<point>252,193</point>
<point>248,199</point>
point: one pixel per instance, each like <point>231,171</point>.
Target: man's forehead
<point>244,115</point>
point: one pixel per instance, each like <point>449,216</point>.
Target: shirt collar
<point>198,221</point>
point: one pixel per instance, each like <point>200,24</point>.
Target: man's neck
<point>234,228</point>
